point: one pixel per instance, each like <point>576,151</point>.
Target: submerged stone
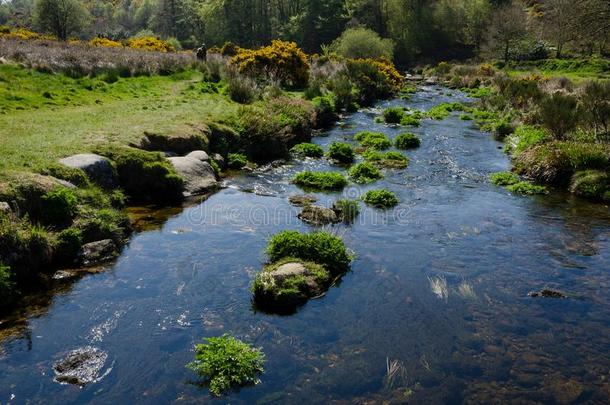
<point>301,200</point>
<point>98,252</point>
<point>547,293</point>
<point>81,366</point>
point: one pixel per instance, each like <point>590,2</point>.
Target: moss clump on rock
<point>145,176</point>
<point>59,206</point>
<point>380,198</point>
<point>374,140</point>
<point>320,180</point>
<point>393,160</point>
<point>393,115</point>
<point>407,141</point>
<point>341,152</point>
<point>227,363</point>
<point>363,173</point>
<point>308,150</point>
<point>526,188</point>
<point>504,179</point>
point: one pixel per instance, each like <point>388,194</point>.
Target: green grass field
<point>44,117</point>
<point>577,70</point>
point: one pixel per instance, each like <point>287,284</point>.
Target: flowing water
<point>435,309</point>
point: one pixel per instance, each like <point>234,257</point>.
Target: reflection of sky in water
<point>435,308</point>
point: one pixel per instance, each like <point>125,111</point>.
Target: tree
<point>363,43</point>
<point>508,26</point>
<point>557,23</point>
<point>60,17</point>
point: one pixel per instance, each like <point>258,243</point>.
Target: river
<point>435,309</point>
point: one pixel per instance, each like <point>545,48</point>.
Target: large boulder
<point>96,167</point>
<point>199,155</point>
<point>95,253</point>
<point>199,177</point>
<point>180,141</point>
<point>81,366</point>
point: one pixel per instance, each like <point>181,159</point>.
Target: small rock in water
<point>546,293</point>
<point>81,366</point>
<point>97,252</point>
<point>317,215</point>
<point>301,200</point>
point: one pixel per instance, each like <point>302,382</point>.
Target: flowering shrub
<point>150,44</point>
<point>22,33</point>
<point>108,43</point>
<point>374,78</point>
<point>281,60</point>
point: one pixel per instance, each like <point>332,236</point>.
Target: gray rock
<point>199,155</point>
<point>220,161</point>
<point>301,200</point>
<point>81,366</point>
<point>96,167</point>
<point>198,176</point>
<point>97,252</point>
<point>5,208</point>
<point>317,215</point>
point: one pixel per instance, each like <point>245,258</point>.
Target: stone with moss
<point>504,179</point>
<point>363,173</point>
<point>407,140</point>
<point>380,198</point>
<point>320,180</point>
<point>374,140</point>
<point>97,168</point>
<point>180,141</point>
<point>393,115</point>
<point>301,200</point>
<point>307,150</point>
<point>341,152</point>
<point>316,215</point>
<point>391,160</point>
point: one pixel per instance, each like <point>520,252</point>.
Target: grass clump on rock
<point>407,141</point>
<point>393,115</point>
<point>442,111</point>
<point>374,140</point>
<point>526,188</point>
<point>594,184</point>
<point>308,150</point>
<point>394,160</point>
<point>320,180</point>
<point>380,198</point>
<point>363,173</point>
<point>341,152</point>
<point>227,363</point>
<point>346,210</point>
<point>504,179</point>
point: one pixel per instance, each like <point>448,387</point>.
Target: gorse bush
<point>374,140</point>
<point>373,79</point>
<point>150,44</point>
<point>318,247</point>
<point>364,173</point>
<point>558,113</point>
<point>406,141</point>
<point>282,60</point>
<point>308,150</point>
<point>226,363</point>
<point>380,198</point>
<point>320,180</point>
<point>341,152</point>
<point>105,42</point>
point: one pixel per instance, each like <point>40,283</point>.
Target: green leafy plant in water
<point>380,198</point>
<point>341,152</point>
<point>394,160</point>
<point>374,140</point>
<point>504,179</point>
<point>308,150</point>
<point>320,180</point>
<point>237,161</point>
<point>347,210</point>
<point>442,111</point>
<point>407,141</point>
<point>364,173</point>
<point>393,115</point>
<point>226,363</point>
<point>526,188</point>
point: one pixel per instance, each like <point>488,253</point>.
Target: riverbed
<point>434,310</point>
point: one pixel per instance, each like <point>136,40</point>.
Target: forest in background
<point>419,30</point>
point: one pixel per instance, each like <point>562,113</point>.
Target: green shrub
<point>320,180</point>
<point>346,210</point>
<point>363,42</point>
<point>466,117</point>
<point>325,110</point>
<point>558,113</point>
<point>504,179</point>
<point>363,173</point>
<point>341,152</point>
<point>283,294</point>
<point>145,176</point>
<point>380,198</point>
<point>69,174</point>
<point>7,287</point>
<point>595,106</point>
<point>59,206</point>
<point>393,115</point>
<point>237,161</point>
<point>308,150</point>
<point>242,89</point>
<point>374,140</point>
<point>527,136</point>
<point>98,224</point>
<point>69,243</point>
<point>503,129</point>
<point>590,184</point>
<point>318,247</point>
<point>407,141</point>
<point>443,110</point>
<point>526,188</point>
<point>226,362</point>
<point>410,120</point>
<point>395,160</point>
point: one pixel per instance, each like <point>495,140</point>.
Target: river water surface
<point>435,309</point>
